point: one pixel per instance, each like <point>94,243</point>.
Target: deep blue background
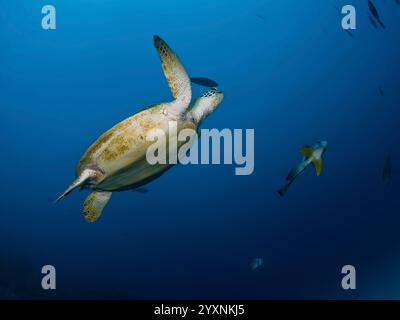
<point>288,70</point>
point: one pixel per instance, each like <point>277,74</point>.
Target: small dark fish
<point>141,190</point>
<point>256,263</point>
<point>260,16</point>
<point>373,9</point>
<point>349,33</point>
<point>381,92</point>
<point>372,21</point>
<point>397,1</point>
<point>205,82</point>
<point>375,13</point>
<point>387,170</point>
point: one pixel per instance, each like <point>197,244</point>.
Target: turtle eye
<point>215,90</point>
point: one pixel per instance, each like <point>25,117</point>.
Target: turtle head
<point>206,104</point>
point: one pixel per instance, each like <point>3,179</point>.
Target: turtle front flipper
<point>94,205</point>
<point>177,77</point>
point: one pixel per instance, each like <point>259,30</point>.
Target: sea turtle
<point>117,160</point>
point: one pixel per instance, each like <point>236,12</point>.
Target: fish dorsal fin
<point>307,151</point>
<point>94,205</point>
<point>318,166</point>
<point>174,71</point>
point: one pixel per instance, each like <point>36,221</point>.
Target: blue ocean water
<point>288,71</point>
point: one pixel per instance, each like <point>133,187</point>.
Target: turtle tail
<point>84,176</point>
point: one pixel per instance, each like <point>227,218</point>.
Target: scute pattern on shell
<point>120,139</point>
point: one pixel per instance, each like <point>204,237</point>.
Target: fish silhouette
<point>141,190</point>
<point>311,156</point>
<point>260,16</point>
<point>375,13</point>
<point>372,21</point>
<point>256,263</point>
<point>349,33</point>
<point>387,170</point>
<point>205,82</point>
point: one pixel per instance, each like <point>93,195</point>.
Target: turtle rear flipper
<point>94,205</point>
<point>79,182</point>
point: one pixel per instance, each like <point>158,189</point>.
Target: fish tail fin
<point>85,175</point>
<point>282,191</point>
